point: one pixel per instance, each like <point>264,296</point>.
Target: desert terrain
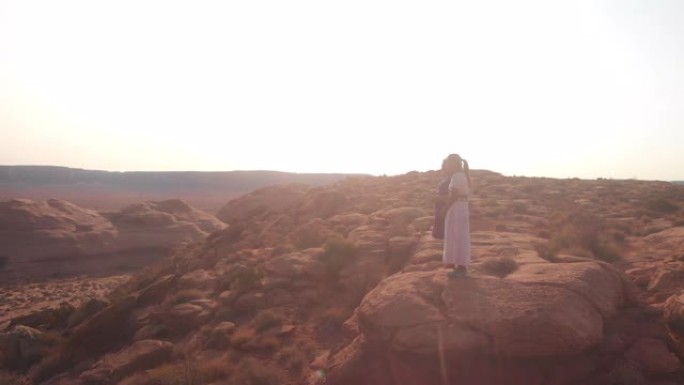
<point>573,282</point>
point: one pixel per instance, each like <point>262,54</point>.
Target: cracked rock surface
<point>541,309</point>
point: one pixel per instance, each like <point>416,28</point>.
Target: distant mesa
<point>53,228</point>
<point>57,229</point>
<point>113,190</point>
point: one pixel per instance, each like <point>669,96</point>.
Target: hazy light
<point>588,89</point>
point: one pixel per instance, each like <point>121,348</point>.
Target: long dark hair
<point>455,159</point>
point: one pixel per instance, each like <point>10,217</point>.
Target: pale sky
<point>539,88</point>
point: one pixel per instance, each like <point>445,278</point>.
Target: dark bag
<point>441,202</point>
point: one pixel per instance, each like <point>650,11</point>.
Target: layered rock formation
<point>161,224</point>
<point>57,229</point>
<point>52,229</point>
<point>344,285</point>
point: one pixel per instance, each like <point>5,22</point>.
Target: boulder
<point>537,312</point>
<point>598,283</point>
<point>156,291</point>
<point>674,317</point>
<point>404,215</point>
<point>185,317</point>
<point>20,347</point>
<point>197,279</point>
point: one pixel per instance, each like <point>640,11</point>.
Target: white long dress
<point>457,224</point>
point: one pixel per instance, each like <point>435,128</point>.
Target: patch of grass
<point>499,266</point>
<point>188,295</point>
<point>267,319</point>
<point>583,233</point>
<point>338,253</point>
<point>252,372</point>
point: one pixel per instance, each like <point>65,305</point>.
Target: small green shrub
<point>245,278</point>
<point>546,252</point>
<point>499,266</point>
<point>338,253</point>
<point>268,319</point>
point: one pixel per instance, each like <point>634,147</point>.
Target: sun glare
<point>535,88</point>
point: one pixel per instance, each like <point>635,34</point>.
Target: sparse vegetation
<point>245,278</point>
<point>252,372</point>
<point>189,372</point>
<point>499,266</point>
<point>267,319</point>
<point>293,357</point>
<point>308,238</point>
<point>582,233</point>
<point>545,252</point>
<point>338,253</point>
<point>519,207</point>
<point>187,295</point>
<point>662,205</point>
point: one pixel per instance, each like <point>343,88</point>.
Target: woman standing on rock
<point>457,218</point>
